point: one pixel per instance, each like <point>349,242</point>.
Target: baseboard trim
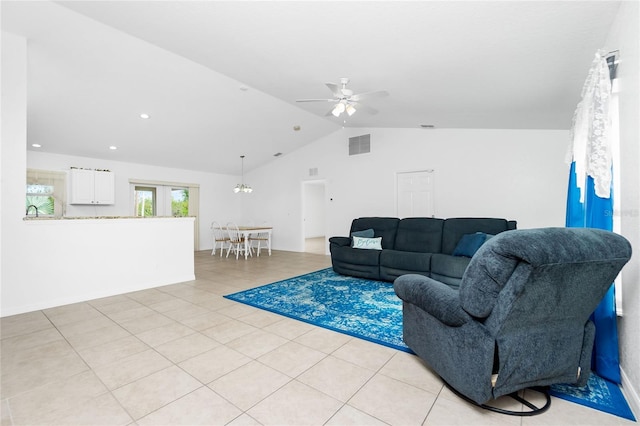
<point>630,394</point>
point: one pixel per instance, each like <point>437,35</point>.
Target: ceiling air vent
<point>313,171</point>
<point>359,144</point>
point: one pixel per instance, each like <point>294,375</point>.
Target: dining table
<point>247,230</point>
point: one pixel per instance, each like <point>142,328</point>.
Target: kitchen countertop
<point>29,218</point>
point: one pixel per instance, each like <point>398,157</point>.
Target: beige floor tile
<point>166,333</point>
<point>150,296</point>
<point>74,329</point>
<point>214,302</point>
<point>22,342</point>
<point>392,401</point>
<point>257,343</point>
<point>205,321</point>
<point>104,301</point>
<point>38,366</point>
<point>125,305</point>
<point>237,310</point>
<point>349,416</point>
<point>323,340</point>
<point>452,412</point>
<point>5,413</point>
<point>249,384</point>
<point>261,319</point>
<point>133,314</point>
<point>46,403</point>
<point>187,347</point>
<point>170,305</point>
<point>365,354</point>
<point>292,358</point>
<point>97,336</point>
<point>295,404</point>
<point>76,312</point>
<point>229,330</point>
<point>337,378</point>
<point>27,323</point>
<point>110,352</point>
<point>213,364</point>
<point>152,392</point>
<point>200,407</point>
<point>131,368</point>
<point>563,412</point>
<point>146,323</point>
<point>244,420</point>
<point>410,369</point>
<point>102,410</point>
<point>186,312</point>
<point>289,328</point>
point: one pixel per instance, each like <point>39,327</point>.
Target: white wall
<point>217,200</point>
<point>625,36</point>
<point>515,174</point>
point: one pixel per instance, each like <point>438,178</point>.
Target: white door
<point>415,194</point>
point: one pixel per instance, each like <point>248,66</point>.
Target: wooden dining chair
<point>236,241</point>
<point>260,239</point>
<point>219,237</point>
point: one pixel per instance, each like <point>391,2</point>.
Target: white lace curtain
<point>590,145</point>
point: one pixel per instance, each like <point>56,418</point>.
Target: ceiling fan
<point>345,101</point>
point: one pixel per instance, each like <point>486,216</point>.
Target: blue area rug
<point>362,308</point>
<point>371,310</point>
<point>598,393</point>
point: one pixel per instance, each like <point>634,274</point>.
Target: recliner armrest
<point>436,298</point>
<point>340,241</point>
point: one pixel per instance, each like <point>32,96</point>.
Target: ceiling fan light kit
<point>345,100</point>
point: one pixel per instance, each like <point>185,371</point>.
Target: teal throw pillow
<point>367,233</point>
<point>470,243</point>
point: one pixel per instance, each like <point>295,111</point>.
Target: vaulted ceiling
<point>220,79</point>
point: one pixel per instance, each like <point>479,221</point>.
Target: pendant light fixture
<point>241,187</point>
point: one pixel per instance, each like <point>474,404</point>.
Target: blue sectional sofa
<point>383,248</point>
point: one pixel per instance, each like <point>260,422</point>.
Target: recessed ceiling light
<point>36,145</point>
<point>113,147</point>
<point>145,116</point>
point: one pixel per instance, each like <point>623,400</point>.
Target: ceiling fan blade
<point>368,95</point>
<point>335,89</point>
<point>315,100</point>
<point>367,109</point>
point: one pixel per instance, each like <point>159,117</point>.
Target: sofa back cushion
<point>385,227</point>
<point>454,228</point>
<point>419,234</point>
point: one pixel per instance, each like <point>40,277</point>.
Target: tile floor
<point>182,354</point>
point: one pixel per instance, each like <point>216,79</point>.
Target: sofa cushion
<point>395,263</point>
<point>419,234</point>
<point>384,227</point>
<point>367,243</point>
<point>448,269</point>
<point>454,228</point>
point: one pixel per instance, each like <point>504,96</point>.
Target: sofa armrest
<point>436,298</point>
<point>340,241</point>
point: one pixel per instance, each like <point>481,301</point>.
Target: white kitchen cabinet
<point>91,187</point>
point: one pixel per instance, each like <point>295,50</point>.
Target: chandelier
<point>241,187</point>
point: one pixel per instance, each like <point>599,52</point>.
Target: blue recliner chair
<point>520,318</point>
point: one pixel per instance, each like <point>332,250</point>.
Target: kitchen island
<point>75,259</point>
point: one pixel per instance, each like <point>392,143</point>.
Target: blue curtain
<point>596,212</point>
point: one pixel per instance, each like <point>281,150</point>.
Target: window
<point>159,198</point>
<point>45,193</point>
<point>145,201</point>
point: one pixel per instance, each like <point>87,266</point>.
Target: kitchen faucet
<point>29,207</point>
